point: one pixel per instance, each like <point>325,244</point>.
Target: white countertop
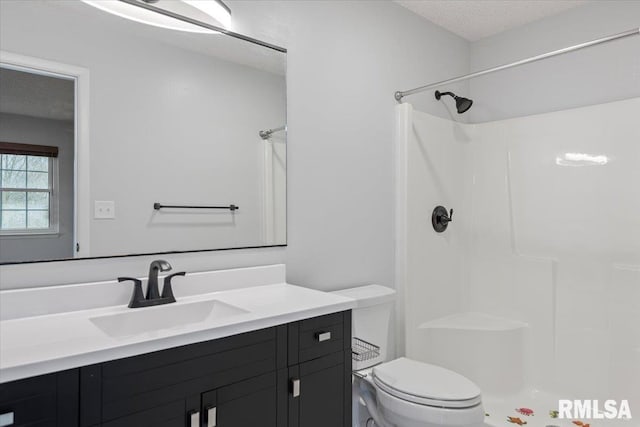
<point>36,345</point>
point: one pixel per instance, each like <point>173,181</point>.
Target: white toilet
<point>402,392</point>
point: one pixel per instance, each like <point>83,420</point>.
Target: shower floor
<point>500,408</point>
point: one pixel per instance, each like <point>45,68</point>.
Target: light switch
<point>104,210</point>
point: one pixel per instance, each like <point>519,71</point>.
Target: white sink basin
<point>163,317</point>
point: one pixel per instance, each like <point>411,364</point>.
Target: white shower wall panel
<point>435,161</point>
<point>568,183</point>
<point>546,231</point>
<point>575,181</point>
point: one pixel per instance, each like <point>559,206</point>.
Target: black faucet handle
<point>132,279</point>
<point>137,296</point>
<point>167,290</point>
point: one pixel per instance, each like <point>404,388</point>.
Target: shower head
<point>462,104</point>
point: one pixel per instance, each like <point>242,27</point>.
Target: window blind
<point>28,149</point>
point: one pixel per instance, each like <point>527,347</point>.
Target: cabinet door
<point>248,403</point>
<point>156,389</point>
<point>317,393</point>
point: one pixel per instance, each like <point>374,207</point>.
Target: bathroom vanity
<point>284,360</point>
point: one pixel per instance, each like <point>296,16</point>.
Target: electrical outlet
<point>104,210</point>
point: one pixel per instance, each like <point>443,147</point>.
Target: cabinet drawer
<point>31,401</point>
<point>47,400</point>
<point>39,409</point>
<point>320,336</point>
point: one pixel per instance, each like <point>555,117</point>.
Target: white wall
<point>345,61</point>
<point>599,74</point>
<point>58,133</point>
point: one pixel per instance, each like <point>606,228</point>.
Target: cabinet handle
<point>212,415</point>
<point>295,388</point>
<point>6,419</point>
<point>194,419</point>
<point>323,336</point>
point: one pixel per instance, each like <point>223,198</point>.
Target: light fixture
<point>215,9</point>
<point>203,10</point>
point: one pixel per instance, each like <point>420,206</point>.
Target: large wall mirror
<point>118,137</point>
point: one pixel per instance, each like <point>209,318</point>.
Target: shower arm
<point>440,94</point>
<point>634,32</point>
<point>266,134</point>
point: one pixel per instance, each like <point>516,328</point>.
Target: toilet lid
<point>426,384</point>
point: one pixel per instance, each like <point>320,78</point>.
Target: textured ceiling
<point>36,95</point>
<point>476,19</point>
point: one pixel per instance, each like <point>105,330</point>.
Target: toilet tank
<point>371,319</point>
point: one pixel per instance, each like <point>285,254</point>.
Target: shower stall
<point>532,289</point>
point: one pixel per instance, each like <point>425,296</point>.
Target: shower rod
<point>401,94</point>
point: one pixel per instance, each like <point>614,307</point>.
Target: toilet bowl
<point>404,392</point>
<point>415,394</point>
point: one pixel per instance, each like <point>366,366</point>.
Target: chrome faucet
<point>153,297</point>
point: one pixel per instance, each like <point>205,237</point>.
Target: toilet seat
<point>425,384</point>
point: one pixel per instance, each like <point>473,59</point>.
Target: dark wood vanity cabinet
<point>293,375</point>
<point>320,362</point>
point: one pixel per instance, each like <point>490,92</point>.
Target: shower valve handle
<point>447,219</point>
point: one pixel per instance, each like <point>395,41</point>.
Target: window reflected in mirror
<point>37,137</point>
